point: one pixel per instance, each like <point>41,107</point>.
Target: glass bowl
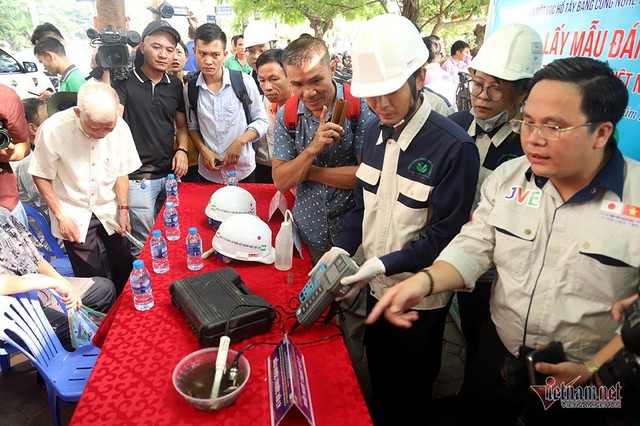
<point>193,379</point>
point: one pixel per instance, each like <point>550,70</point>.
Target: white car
<point>23,77</point>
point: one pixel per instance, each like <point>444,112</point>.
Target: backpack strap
<point>291,116</point>
<point>192,92</point>
<point>354,107</point>
<point>239,88</point>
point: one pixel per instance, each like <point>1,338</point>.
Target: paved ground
<point>24,402</point>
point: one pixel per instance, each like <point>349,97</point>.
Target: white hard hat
<point>230,200</point>
<point>512,52</point>
<point>387,51</point>
<point>258,33</point>
<point>244,237</point>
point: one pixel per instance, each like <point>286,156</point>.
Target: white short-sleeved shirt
<point>83,170</point>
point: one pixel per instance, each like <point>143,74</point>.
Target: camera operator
<point>560,224</point>
<point>16,138</point>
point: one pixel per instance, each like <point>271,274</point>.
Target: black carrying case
<point>209,300</point>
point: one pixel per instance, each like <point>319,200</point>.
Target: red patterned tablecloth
<point>131,382</point>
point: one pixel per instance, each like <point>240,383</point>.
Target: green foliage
<point>320,14</point>
<point>16,26</point>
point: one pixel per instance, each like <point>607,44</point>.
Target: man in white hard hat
<point>561,226</point>
<point>258,38</point>
<point>413,193</point>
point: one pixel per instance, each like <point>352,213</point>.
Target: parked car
<point>24,78</point>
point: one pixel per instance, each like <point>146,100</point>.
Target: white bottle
<point>284,247</point>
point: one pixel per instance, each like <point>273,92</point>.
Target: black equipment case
<point>211,300</point>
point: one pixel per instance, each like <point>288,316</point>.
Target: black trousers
<point>403,364</point>
<point>86,258</point>
<point>263,174</point>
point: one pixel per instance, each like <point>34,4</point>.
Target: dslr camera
<point>113,53</point>
<point>624,367</point>
<point>5,138</point>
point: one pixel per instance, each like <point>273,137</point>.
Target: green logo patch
<point>421,167</point>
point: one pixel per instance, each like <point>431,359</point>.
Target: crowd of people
<point>503,204</point>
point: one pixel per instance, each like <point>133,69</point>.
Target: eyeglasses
<point>494,93</point>
<point>544,131</point>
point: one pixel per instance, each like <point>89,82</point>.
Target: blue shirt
<point>191,65</point>
<point>318,208</point>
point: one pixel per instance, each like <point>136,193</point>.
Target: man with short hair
<point>258,38</point>
<point>275,86</point>
<point>12,120</point>
<point>560,224</point>
<point>154,109</point>
<point>218,127</point>
<point>35,110</point>
<point>321,161</point>
<point>51,54</point>
<point>81,168</point>
<point>45,30</point>
<point>239,59</point>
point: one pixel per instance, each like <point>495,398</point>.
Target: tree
<point>441,14</point>
<point>16,27</point>
<point>110,12</point>
<point>320,14</point>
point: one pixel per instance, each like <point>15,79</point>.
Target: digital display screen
<point>331,274</point>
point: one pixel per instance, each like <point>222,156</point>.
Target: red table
<point>131,382</point>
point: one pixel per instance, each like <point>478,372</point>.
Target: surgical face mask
<point>490,123</point>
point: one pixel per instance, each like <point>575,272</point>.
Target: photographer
<point>14,146</point>
<point>559,225</point>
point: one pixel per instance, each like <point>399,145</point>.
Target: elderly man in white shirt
<point>81,169</point>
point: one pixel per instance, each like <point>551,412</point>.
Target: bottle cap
<point>156,233</point>
<point>193,230</point>
<point>169,204</point>
<point>138,263</point>
<point>171,176</point>
<point>233,173</point>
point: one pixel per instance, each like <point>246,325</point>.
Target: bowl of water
<point>194,374</point>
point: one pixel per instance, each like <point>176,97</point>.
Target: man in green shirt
<point>238,61</point>
<point>51,54</point>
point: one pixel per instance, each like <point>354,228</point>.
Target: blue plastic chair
<point>5,357</point>
<point>24,326</point>
<point>50,250</point>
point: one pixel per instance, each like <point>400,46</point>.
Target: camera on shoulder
<point>113,53</point>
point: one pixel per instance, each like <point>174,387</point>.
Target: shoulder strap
<point>354,107</point>
<point>239,88</point>
<point>192,92</point>
<point>291,115</point>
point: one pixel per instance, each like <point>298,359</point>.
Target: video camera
<point>624,367</point>
<point>167,11</point>
<point>113,53</point>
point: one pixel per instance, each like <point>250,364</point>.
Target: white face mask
<point>490,123</point>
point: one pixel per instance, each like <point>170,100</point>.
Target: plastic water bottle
<point>284,247</point>
<point>141,286</point>
<point>171,188</point>
<point>171,222</point>
<point>194,250</point>
<point>232,180</point>
<point>159,252</point>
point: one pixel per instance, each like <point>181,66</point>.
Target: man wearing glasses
<point>562,226</point>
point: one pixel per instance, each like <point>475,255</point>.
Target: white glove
<point>368,271</point>
<point>328,257</point>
